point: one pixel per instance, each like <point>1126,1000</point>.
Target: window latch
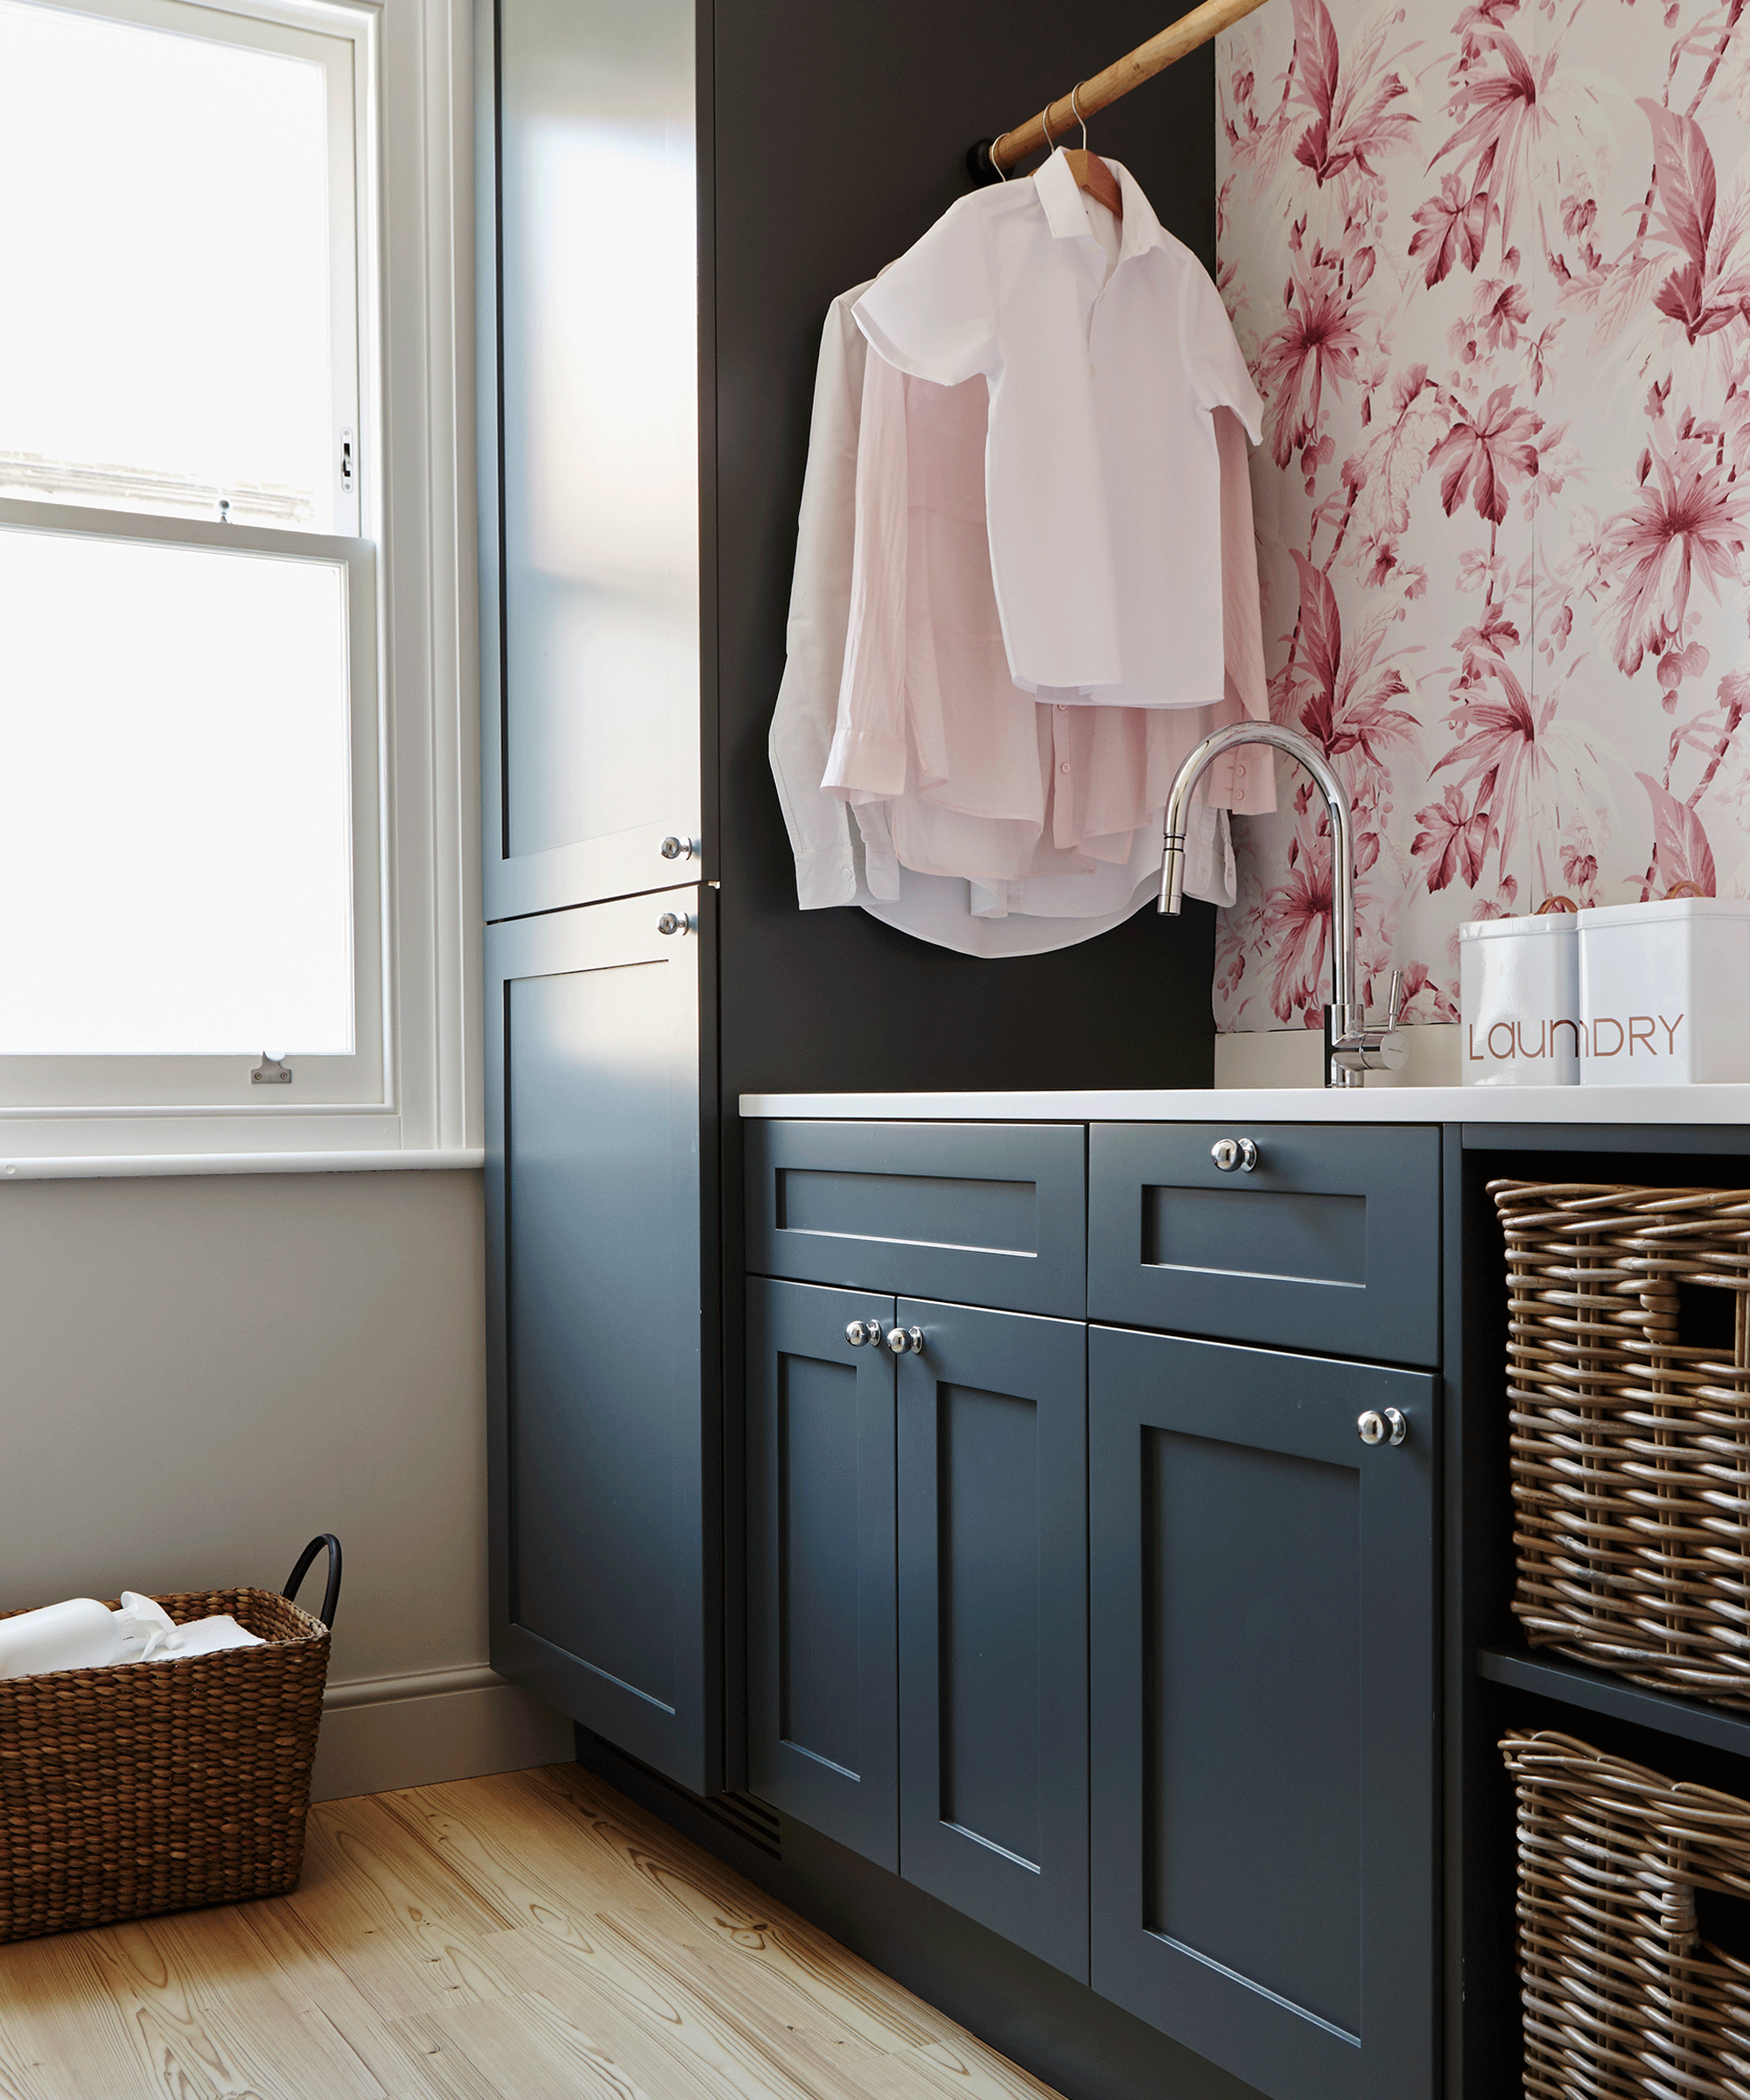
<point>346,463</point>
<point>270,1072</point>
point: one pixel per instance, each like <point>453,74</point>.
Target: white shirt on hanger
<point>973,772</point>
<point>1102,470</point>
<point>834,865</point>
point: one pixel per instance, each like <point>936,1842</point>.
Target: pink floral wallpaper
<point>1491,265</point>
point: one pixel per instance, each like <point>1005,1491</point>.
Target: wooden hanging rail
<point>992,156</point>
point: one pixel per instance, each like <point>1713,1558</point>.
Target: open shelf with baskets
<point>1596,1691</point>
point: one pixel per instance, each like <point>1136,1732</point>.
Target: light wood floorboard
<point>533,1936</point>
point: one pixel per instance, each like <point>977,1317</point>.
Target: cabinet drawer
<point>1331,1243</point>
<point>986,1213</point>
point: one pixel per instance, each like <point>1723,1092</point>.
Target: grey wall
<point>198,1373</point>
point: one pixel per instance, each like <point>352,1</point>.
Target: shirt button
<point>1063,707</point>
<point>1239,772</point>
<point>1065,766</point>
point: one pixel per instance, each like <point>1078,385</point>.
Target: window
<point>204,878</point>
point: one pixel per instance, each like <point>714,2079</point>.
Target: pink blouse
<point>977,773</point>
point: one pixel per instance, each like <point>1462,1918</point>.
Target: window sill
<point>127,1165</point>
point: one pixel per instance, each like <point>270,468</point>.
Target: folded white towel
<point>206,1637</point>
<point>81,1634</point>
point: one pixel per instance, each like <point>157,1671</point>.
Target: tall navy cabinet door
<point>605,1481</point>
<point>823,1689</point>
<point>993,1621</point>
<point>1261,1600</point>
<point>589,461</point>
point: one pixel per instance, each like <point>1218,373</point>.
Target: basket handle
<point>331,1596</point>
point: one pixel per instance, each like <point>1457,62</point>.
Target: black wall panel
<point>841,131</point>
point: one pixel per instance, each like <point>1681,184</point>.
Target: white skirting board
<point>415,1731</point>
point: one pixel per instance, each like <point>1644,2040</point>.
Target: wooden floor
<point>531,1938</point>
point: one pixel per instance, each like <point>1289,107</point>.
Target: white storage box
<point>1519,1002</point>
<point>1665,992</point>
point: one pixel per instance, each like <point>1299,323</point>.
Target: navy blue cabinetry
<point>1149,1622</point>
<point>1329,1239</point>
<point>822,1699</point>
<point>993,1621</point>
<point>603,1453</point>
<point>1263,1668</point>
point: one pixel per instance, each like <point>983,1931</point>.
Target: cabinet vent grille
<point>751,1818</point>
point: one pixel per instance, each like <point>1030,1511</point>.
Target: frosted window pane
<point>175,801</point>
<point>164,241</point>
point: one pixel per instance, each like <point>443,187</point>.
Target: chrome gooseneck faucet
<point>1352,1048</point>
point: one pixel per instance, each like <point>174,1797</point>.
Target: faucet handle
<point>1356,1048</point>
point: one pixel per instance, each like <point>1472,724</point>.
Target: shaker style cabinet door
<point>605,1475</point>
<point>589,465</point>
<point>993,1621</point>
<point>822,1693</point>
<point>1262,1607</point>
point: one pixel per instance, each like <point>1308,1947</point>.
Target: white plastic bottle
<point>78,1635</point>
<point>82,1634</point>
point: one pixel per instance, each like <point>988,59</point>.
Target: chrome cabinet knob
<point>901,1339</point>
<point>675,923</point>
<point>1231,1152</point>
<point>1382,1425</point>
<point>676,848</point>
<point>860,1331</point>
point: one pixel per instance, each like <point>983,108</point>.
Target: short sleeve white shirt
<point>1101,472</point>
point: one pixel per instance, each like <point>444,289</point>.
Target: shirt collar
<point>1066,215</point>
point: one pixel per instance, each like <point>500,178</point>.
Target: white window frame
<point>414,1095</point>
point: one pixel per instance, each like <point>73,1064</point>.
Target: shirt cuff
<point>825,876</point>
<point>863,766</point>
<point>1210,871</point>
<point>1242,780</point>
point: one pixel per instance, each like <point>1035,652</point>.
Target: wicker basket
<point>1628,1373</point>
<point>160,1786</point>
<point>1623,1997</point>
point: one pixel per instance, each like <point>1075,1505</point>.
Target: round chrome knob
<point>674,848</point>
<point>1231,1152</point>
<point>673,922</point>
<point>855,1335</point>
<point>1385,1426</point>
<point>901,1339</point>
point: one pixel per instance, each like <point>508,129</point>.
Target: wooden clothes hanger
<point>1091,172</point>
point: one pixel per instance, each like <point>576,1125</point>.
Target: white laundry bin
<point>1519,1005</point>
<point>1665,991</point>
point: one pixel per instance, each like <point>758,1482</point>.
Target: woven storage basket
<point>1623,1998</point>
<point>157,1786</point>
<point>1629,1377</point>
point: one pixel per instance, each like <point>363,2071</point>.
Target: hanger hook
<point>1076,107</point>
<point>1045,125</point>
<point>1002,173</point>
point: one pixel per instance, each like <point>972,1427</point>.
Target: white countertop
<point>1722,1104</point>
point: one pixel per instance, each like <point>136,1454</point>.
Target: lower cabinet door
<point>822,1697</point>
<point>1263,1675</point>
<point>993,1621</point>
<point>604,1430</point>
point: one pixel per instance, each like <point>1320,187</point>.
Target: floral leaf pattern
<point>1681,848</point>
<point>1490,261</point>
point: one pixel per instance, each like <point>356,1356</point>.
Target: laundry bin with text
<point>1665,991</point>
